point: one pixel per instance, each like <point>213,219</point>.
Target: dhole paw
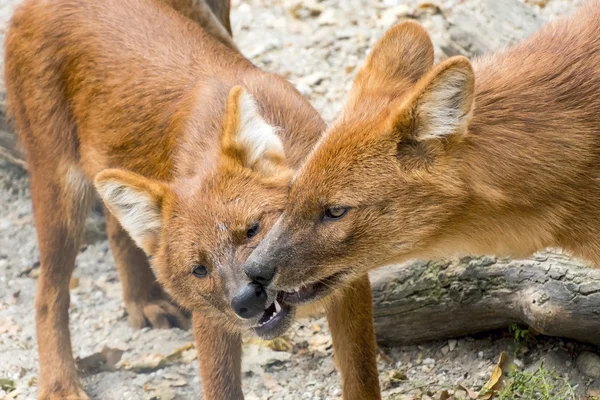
<point>161,314</point>
<point>57,392</point>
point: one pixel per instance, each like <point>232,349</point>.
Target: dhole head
<point>199,230</point>
<point>383,181</point>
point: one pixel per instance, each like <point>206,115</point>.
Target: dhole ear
<point>247,138</point>
<point>403,55</point>
<point>441,104</point>
<point>136,202</point>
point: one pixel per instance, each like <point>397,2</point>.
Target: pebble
<point>589,364</point>
<point>452,344</point>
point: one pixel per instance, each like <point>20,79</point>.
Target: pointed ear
<point>401,57</point>
<point>440,105</point>
<point>247,138</point>
<point>136,202</point>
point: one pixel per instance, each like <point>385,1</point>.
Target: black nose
<point>262,274</point>
<point>250,301</point>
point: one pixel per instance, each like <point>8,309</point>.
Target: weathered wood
<point>552,293</point>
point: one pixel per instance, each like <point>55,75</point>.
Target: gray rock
<point>589,364</point>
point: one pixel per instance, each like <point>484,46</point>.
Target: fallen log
<point>552,293</point>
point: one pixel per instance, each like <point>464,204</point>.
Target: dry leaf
<point>384,357</point>
<point>493,384</point>
<point>256,358</point>
<point>397,376</point>
<point>12,395</point>
<point>270,383</point>
<point>160,392</point>
<point>8,326</point>
<point>593,393</point>
<point>472,394</point>
<point>73,283</point>
<point>320,342</point>
<point>444,395</point>
<point>152,362</point>
<point>277,344</point>
<point>280,344</point>
<point>105,360</point>
<point>8,385</point>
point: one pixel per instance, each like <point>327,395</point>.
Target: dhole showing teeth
<point>501,156</point>
<point>191,148</point>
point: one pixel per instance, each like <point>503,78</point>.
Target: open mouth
<point>314,291</point>
<point>276,319</point>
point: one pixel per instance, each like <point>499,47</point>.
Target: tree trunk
<point>552,293</point>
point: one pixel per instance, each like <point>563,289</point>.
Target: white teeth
<point>277,306</point>
<point>269,320</point>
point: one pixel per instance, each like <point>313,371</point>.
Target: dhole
<point>191,148</point>
<point>501,156</point>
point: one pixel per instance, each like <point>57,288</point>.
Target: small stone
<point>429,361</point>
<point>518,363</point>
<point>34,273</point>
<point>452,344</point>
<point>589,364</point>
<point>445,350</point>
<point>391,16</point>
<point>328,17</point>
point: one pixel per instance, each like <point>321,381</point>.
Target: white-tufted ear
<point>136,202</point>
<point>444,104</point>
<point>247,137</point>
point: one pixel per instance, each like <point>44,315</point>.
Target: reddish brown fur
<point>423,175</point>
<point>98,95</point>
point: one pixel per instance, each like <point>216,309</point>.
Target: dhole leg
<point>146,303</point>
<point>220,358</point>
<point>350,318</point>
<point>60,203</point>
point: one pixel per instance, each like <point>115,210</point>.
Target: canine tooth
<point>277,306</point>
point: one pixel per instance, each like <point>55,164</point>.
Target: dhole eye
<point>252,230</point>
<point>200,271</point>
<point>335,212</point>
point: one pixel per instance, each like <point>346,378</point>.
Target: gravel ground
<point>317,45</point>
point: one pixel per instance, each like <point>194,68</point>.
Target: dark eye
<point>252,230</point>
<point>335,212</point>
<point>200,271</point>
